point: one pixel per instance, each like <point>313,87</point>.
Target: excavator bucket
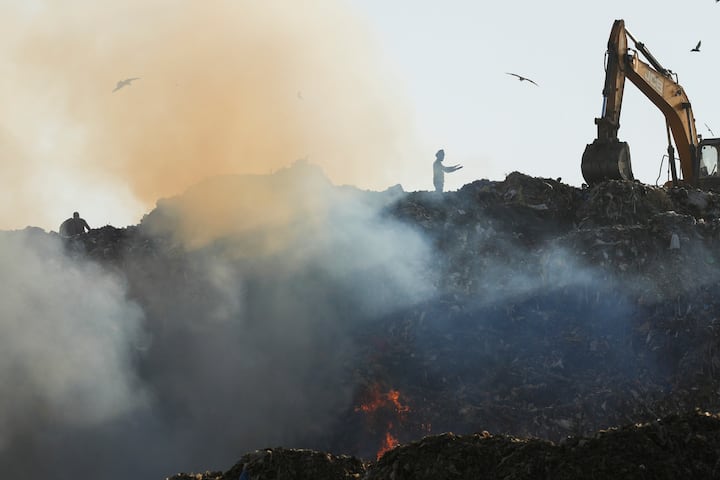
<point>606,160</point>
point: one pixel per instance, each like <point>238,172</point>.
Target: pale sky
<point>452,56</point>
<point>428,75</point>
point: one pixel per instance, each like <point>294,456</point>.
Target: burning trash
<point>526,308</point>
<point>383,410</point>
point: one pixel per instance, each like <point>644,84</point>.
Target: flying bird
<point>123,83</point>
<point>697,47</point>
<point>706,125</point>
<point>521,78</point>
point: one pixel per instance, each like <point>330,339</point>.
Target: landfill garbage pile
<point>678,446</point>
<point>562,312</point>
<point>557,321</point>
<point>524,308</point>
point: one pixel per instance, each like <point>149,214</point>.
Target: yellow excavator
<point>609,158</point>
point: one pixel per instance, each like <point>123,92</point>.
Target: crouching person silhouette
<point>72,227</point>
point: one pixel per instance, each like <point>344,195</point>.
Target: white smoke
<point>67,333</point>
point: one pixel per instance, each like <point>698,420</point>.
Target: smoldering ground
<point>239,334</point>
<point>232,344</point>
<point>236,342</point>
<point>534,320</point>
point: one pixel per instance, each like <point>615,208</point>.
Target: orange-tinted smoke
<point>226,86</point>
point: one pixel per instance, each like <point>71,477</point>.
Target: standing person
<point>73,226</point>
<point>439,170</point>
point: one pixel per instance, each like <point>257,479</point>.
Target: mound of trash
<point>553,329</point>
<point>562,312</point>
<point>678,446</point>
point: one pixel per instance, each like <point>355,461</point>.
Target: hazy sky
<point>367,89</point>
<point>452,57</point>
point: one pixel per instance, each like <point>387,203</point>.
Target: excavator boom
<point>609,158</point>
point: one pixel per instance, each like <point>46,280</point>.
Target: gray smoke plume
<point>68,338</point>
<point>236,339</point>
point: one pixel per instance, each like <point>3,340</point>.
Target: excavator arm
<point>609,158</point>
<point>609,121</point>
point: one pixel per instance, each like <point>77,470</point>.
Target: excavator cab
<point>709,164</point>
<point>709,158</point>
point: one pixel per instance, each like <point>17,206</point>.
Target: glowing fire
<point>380,400</point>
<point>389,401</point>
<point>389,443</point>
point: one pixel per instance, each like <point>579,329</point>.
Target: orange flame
<point>394,397</point>
<point>380,400</point>
<point>389,443</point>
<point>377,400</point>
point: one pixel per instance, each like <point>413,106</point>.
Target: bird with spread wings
<point>522,79</point>
<point>123,83</point>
